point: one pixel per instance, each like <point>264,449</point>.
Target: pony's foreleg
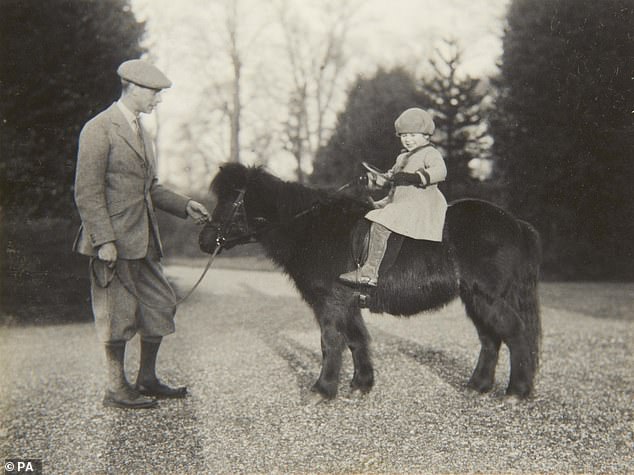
<point>332,344</point>
<point>483,376</point>
<point>358,342</point>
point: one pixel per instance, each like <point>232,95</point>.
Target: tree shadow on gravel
<point>450,370</point>
<point>304,363</point>
<point>455,372</point>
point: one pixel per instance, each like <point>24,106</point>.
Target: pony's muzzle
<point>209,238</point>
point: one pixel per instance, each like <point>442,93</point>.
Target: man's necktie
<point>139,133</point>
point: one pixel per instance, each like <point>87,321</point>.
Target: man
<point>116,191</point>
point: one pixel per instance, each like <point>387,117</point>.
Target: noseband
<point>237,218</point>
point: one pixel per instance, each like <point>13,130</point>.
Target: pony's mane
<point>294,198</point>
<point>289,198</point>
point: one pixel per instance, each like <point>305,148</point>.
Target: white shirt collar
<point>127,113</point>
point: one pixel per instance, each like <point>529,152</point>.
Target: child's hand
<point>376,178</point>
<point>374,181</point>
<point>380,181</point>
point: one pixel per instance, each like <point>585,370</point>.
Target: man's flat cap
<point>143,74</point>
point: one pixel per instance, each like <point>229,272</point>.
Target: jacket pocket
<point>117,207</point>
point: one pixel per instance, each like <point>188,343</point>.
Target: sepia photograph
<point>317,237</point>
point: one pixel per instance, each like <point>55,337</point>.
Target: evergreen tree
<point>58,69</point>
<point>565,131</point>
<point>457,105</point>
<point>58,59</point>
<point>365,129</point>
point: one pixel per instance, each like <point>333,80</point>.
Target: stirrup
<point>363,300</point>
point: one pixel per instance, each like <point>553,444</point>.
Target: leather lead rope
<point>128,287</point>
<point>219,243</point>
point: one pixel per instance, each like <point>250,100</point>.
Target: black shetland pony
<point>487,258</point>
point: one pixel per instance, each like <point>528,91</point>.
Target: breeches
<point>139,299</point>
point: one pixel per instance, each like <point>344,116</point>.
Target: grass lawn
<point>596,299</point>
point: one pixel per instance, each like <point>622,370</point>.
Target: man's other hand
<point>108,253</point>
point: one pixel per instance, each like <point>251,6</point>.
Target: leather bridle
<point>239,219</point>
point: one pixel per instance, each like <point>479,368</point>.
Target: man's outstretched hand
<point>197,212</point>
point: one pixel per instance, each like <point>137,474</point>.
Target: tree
<point>315,52</point>
<point>235,110</point>
<point>365,129</point>
<point>58,69</point>
<point>458,104</point>
<point>222,114</point>
<point>564,131</point>
<point>59,59</point>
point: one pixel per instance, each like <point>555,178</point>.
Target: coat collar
<point>124,130</point>
<point>404,156</point>
<point>420,147</point>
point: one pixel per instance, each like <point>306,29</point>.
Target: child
<point>415,207</point>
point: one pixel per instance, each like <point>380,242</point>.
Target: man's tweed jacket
<point>116,188</point>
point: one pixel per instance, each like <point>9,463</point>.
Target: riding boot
<point>119,393</point>
<point>147,383</point>
<point>368,274</point>
<point>115,355</point>
<point>147,359</point>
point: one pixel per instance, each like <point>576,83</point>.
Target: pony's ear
<point>230,176</point>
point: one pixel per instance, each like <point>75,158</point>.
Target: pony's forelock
<point>230,177</point>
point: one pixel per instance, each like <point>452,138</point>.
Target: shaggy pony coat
<point>487,258</point>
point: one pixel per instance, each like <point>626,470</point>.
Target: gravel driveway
<point>248,349</point>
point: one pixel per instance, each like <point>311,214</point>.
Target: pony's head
<point>230,177</point>
<point>230,223</point>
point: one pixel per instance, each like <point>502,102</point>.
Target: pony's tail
<point>527,297</point>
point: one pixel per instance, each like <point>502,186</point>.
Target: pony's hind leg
<point>497,322</point>
<point>481,311</point>
<point>523,367</point>
<point>483,376</point>
<point>358,342</point>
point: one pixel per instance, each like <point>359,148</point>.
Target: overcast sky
<point>387,30</point>
<point>385,33</point>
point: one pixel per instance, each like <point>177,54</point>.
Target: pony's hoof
<point>521,391</point>
<point>352,396</point>
<point>314,399</point>
<point>324,393</point>
<point>362,385</point>
<point>511,401</point>
<point>317,396</point>
<point>481,387</point>
<point>360,390</point>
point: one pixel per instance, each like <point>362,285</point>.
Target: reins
<point>225,227</point>
<point>239,202</point>
<point>220,240</point>
<point>127,286</point>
